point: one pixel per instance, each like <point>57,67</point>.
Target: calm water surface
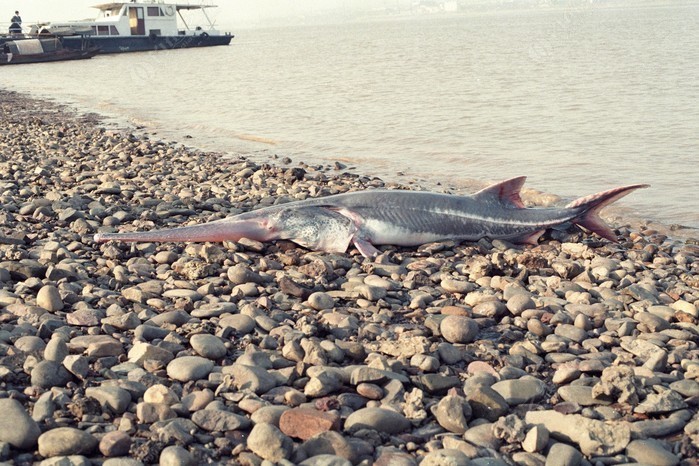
<point>579,99</point>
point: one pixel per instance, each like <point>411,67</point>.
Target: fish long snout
<point>221,230</point>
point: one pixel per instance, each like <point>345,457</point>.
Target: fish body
<point>402,218</point>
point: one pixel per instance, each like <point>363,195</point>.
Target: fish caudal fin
<point>590,207</point>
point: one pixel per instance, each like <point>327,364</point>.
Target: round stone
<point>581,395</point>
<point>49,298</point>
<point>65,441</point>
<point>160,394</point>
<point>321,301</point>
<point>382,420</point>
<point>522,390</point>
<point>268,442</point>
<point>116,443</point>
<point>562,454</point>
<point>325,460</point>
<point>175,455</point>
<point>445,457</point>
<point>56,350</point>
<point>241,323</point>
<point>115,399</point>
<point>458,329</point>
<point>188,368</point>
<point>370,390</point>
<point>519,303</point>
<point>47,374</point>
<point>30,343</point>
<point>208,346</point>
<point>16,426</point>
<point>651,451</point>
<point>453,413</point>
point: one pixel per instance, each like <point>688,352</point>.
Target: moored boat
<point>140,26</point>
<point>15,52</point>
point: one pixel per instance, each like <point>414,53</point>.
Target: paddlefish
<point>370,218</point>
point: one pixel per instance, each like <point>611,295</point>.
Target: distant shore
<point>574,351</point>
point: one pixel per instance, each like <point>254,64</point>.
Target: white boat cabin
<point>146,18</point>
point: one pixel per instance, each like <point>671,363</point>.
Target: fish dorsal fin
<point>506,192</point>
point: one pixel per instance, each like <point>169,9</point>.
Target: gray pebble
<point>536,439</point>
<point>63,441</point>
<point>581,395</point>
<point>215,420</point>
<point>571,332</point>
<point>325,460</point>
<point>269,414</point>
<point>453,413</point>
<point>561,454</point>
<point>113,398</point>
<point>321,301</point>
<point>175,455</point>
<point>141,352</point>
<point>382,420</point>
<point>519,303</point>
<point>651,451</point>
<point>269,443</point>
<point>47,374</point>
<point>49,298</point>
<point>241,323</point>
<point>122,462</point>
<point>188,368</point>
<point>16,426</point>
<point>522,390</point>
<point>486,403</point>
<point>458,329</point>
<point>208,346</point>
<point>252,378</point>
<point>30,344</point>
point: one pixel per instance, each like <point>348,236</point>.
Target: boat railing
<point>5,28</point>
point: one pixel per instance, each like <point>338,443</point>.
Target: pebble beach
<point>577,351</point>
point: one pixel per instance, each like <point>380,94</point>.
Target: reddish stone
<point>304,423</point>
<point>455,311</point>
<point>115,443</point>
<point>481,366</point>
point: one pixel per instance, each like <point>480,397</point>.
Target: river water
<point>578,99</point>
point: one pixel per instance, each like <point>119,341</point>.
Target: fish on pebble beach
<point>394,217</point>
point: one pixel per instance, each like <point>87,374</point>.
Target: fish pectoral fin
<point>365,247</point>
<point>332,244</point>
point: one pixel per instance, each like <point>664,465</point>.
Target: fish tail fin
<point>590,207</point>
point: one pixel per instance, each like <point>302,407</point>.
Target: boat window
<point>113,31</point>
<point>154,11</point>
<point>102,30</point>
<point>94,29</point>
<point>154,32</point>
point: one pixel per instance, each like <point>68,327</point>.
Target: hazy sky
<point>229,14</point>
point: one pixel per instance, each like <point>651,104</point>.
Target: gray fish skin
<point>402,218</point>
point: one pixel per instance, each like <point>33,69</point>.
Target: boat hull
<point>61,55</point>
<point>113,44</point>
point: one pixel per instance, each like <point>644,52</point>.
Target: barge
<point>138,26</point>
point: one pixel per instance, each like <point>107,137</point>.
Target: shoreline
<point>261,152</point>
<point>570,352</point>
